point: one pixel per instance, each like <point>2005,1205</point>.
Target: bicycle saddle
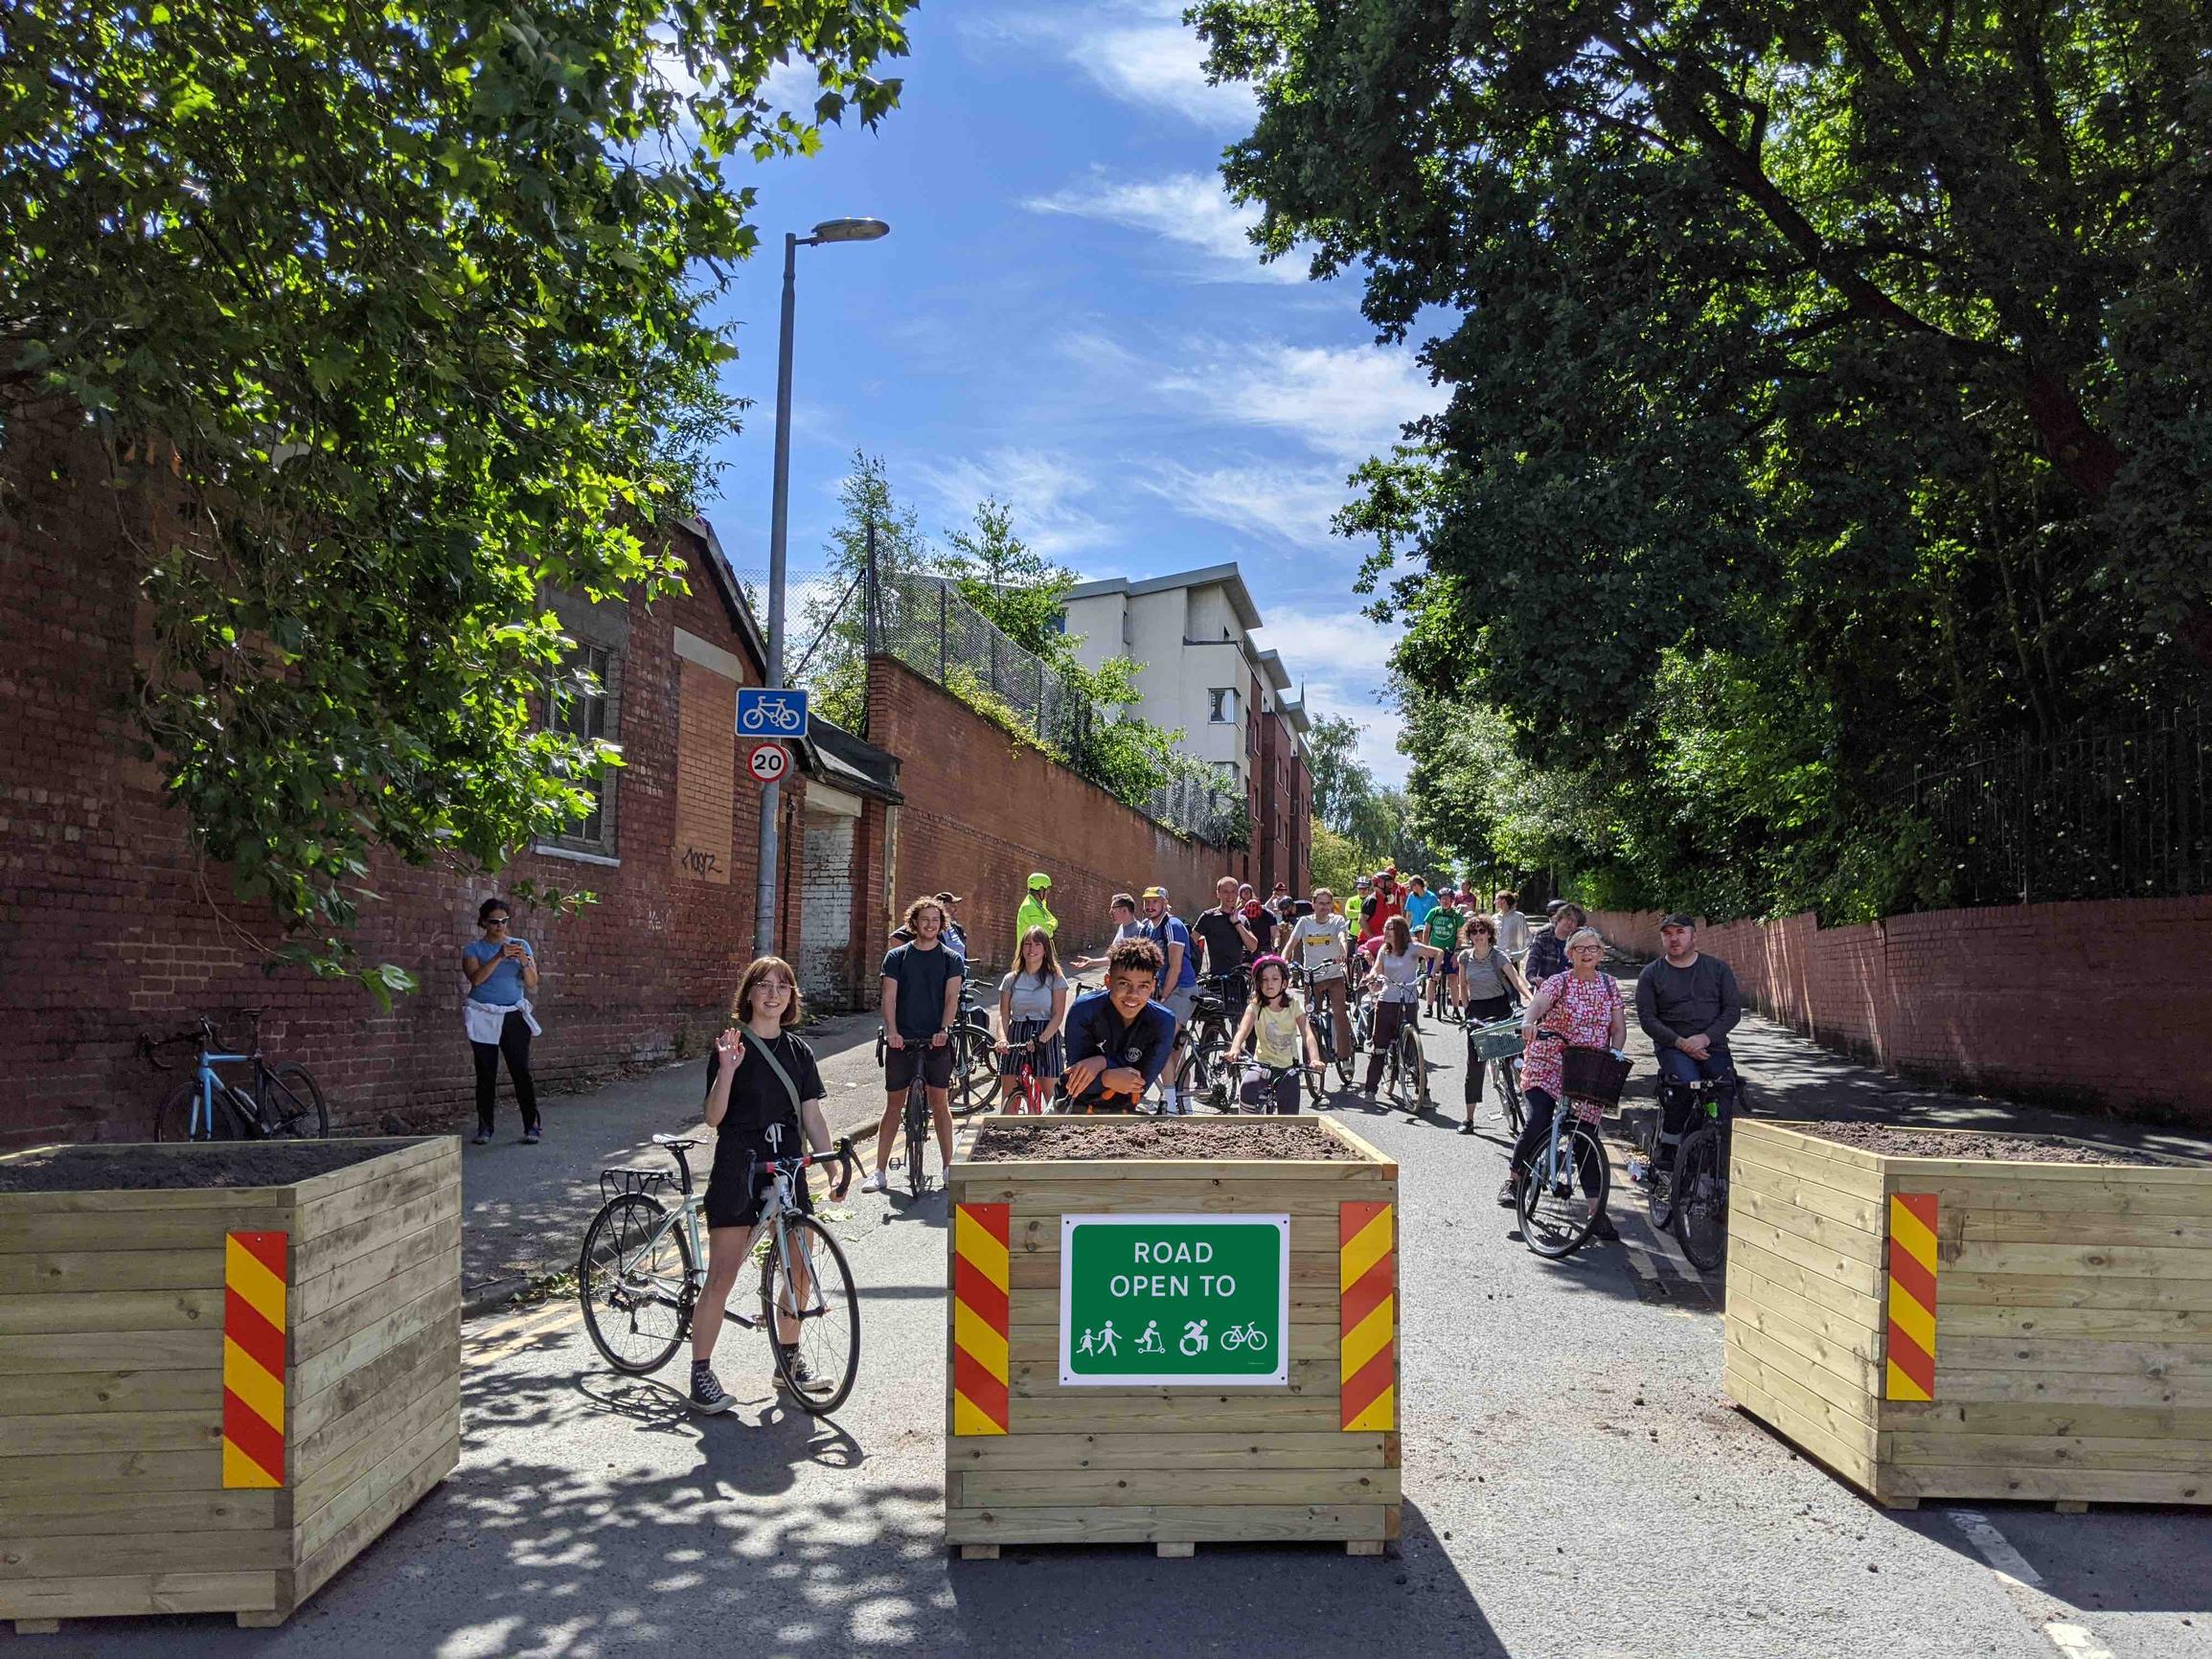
<point>673,1141</point>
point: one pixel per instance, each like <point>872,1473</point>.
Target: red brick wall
<point>2101,1003</point>
<point>982,811</point>
<point>110,926</point>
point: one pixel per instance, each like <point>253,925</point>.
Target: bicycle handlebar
<point>840,1154</point>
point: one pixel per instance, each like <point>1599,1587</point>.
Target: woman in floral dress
<point>1583,1006</point>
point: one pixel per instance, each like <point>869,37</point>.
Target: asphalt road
<point>1576,1486</point>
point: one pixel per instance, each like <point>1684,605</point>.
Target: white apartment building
<point>1192,634</point>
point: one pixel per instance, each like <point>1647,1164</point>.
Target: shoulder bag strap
<point>776,1065</point>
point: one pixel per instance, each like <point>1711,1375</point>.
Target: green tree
<point>405,303</point>
<point>1847,358</point>
<point>1016,587</point>
<point>1340,782</point>
<point>832,659</point>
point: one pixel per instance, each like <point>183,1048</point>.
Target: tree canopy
<point>1830,383</point>
<point>407,299</point>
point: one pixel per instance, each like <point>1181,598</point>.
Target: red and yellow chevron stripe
<point>1367,1314</point>
<point>979,1314</point>
<point>254,1359</point>
<point>1912,1368</point>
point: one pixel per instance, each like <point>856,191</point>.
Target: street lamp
<point>779,523</point>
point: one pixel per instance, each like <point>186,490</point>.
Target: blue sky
<point>1066,316</point>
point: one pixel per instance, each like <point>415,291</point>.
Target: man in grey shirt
<point>1687,1003</point>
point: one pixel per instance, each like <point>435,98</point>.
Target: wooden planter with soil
<point>224,1369</point>
<point>1227,1370</point>
<point>1952,1315</point>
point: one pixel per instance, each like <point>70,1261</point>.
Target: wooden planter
<point>1030,1460</point>
<point>1956,1328</point>
<point>214,1398</point>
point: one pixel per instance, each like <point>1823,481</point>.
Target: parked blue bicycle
<point>285,1103</point>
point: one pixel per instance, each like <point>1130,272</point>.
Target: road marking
<point>1995,1548</point>
<point>514,1335</point>
<point>2022,1582</point>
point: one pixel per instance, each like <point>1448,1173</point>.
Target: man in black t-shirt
<point>922,982</point>
<point>1225,938</point>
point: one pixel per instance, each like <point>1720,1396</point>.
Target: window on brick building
<point>591,716</point>
<point>1222,706</point>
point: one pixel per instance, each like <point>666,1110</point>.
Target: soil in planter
<point>140,1168</point>
<point>1152,1138</point>
<point>1892,1141</point>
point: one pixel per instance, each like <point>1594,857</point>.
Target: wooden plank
<point>1852,1392</point>
<point>34,1397</point>
<point>342,1244</point>
<point>435,1368</point>
<point>311,1414</point>
<point>125,1431</point>
<point>85,1514</point>
<point>112,1350</point>
<point>1195,1451</point>
<point>200,1229</point>
<point>441,1241</point>
<point>1767,1158</point>
<point>2053,1451</point>
<point>2039,1419</point>
<point>2084,1260</point>
<point>1987,1319</point>
<point>1961,1287</point>
<point>1115,1488</point>
<point>2116,1197</point>
<point>126,1593</point>
<point>1198,1524</point>
<point>390,1189</point>
<point>112,1311</point>
<point>76,1271</point>
<point>1747,1384</point>
<point>438,1307</point>
<point>315,1336</point>
<point>1856,1360</point>
<point>1851,1242</point>
<point>1859,1211</point>
<point>1786,1144</point>
<point>101,1555</point>
<point>114,1201</point>
<point>50,1474</point>
<point>2090,1227</point>
<point>1209,1196</point>
<point>1854,1307</point>
<point>1849,1271</point>
<point>1752,1295</point>
<point>395,1154</point>
<point>2065,1389</point>
<point>2176,1361</point>
<point>1076,1410</point>
<point>311,1533</point>
<point>2068,1485</point>
<point>316,1570</point>
<point>437,1408</point>
<point>1846,1428</point>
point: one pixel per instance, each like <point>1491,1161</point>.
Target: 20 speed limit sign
<point>767,763</point>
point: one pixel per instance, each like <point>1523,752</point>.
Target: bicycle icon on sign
<point>1249,1336</point>
<point>763,713</point>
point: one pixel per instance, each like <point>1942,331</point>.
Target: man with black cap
<point>1687,1003</point>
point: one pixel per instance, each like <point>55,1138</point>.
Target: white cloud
<point>1139,53</point>
<point>1187,209</point>
<point>1342,662</point>
<point>1292,504</point>
<point>1043,491</point>
<point>1344,401</point>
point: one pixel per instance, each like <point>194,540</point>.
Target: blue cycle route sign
<point>763,713</point>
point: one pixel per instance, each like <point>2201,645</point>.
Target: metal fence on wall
<point>922,620</point>
<point>2116,811</point>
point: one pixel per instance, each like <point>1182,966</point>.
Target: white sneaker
<point>876,1183</point>
<point>1171,1103</point>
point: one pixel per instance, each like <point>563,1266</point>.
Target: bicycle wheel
<point>173,1118</point>
<point>295,1104</point>
<point>1701,1201</point>
<point>817,1291</point>
<point>974,1077</point>
<point>1398,1081</point>
<point>633,1277</point>
<point>1509,1094</point>
<point>916,1138</point>
<point>1557,1212</point>
<point>1659,1194</point>
<point>1416,1066</point>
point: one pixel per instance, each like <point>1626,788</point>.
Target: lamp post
<point>779,524</point>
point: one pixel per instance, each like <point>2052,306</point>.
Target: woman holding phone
<point>502,975</point>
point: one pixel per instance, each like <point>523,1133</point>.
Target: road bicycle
<point>974,1084</point>
<point>1255,1071</point>
<point>285,1102</point>
<point>916,1118</point>
<point>1324,1021</point>
<point>1030,1093</point>
<point>1497,1045</point>
<point>1204,1042</point>
<point>643,1267</point>
<point>1560,1188</point>
<point>1405,1068</point>
<point>1685,1175</point>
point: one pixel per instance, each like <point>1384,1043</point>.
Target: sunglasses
<point>498,920</point>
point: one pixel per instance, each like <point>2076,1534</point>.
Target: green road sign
<point>1199,1299</point>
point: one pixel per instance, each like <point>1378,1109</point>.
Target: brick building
<point>111,927</point>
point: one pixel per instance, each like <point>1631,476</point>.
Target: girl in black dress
<point>762,1088</point>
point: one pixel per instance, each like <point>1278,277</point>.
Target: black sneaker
<point>530,1137</point>
<point>794,1373</point>
<point>1467,1128</point>
<point>707,1391</point>
<point>483,1138</point>
<point>1603,1229</point>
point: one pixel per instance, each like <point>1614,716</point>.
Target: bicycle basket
<point>1593,1075</point>
<point>613,1183</point>
<point>1499,1042</point>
